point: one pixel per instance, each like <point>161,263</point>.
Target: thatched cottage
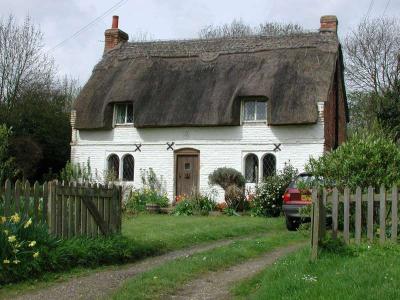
<point>185,108</point>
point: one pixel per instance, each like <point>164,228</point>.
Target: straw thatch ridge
<point>202,82</point>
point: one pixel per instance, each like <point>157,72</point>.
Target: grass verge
<point>369,273</point>
<point>176,232</point>
<point>165,279</point>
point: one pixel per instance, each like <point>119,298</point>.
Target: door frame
<point>185,152</point>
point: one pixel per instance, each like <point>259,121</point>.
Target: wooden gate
<point>89,210</point>
<point>69,209</point>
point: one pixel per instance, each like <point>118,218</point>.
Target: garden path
<point>216,285</point>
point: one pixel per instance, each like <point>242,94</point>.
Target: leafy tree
<point>33,102</point>
<point>364,160</point>
<point>7,165</point>
<point>372,56</point>
<point>23,62</point>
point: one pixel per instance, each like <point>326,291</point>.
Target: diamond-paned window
<point>251,168</point>
<point>269,165</point>
<point>255,110</point>
<point>113,166</point>
<point>123,113</point>
<point>128,168</point>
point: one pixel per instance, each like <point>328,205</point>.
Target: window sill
<point>254,122</point>
<point>124,125</point>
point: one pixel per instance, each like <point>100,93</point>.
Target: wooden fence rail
<point>69,209</point>
<point>365,210</point>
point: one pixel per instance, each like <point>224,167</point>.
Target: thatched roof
<point>201,82</point>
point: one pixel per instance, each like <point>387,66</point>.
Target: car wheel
<point>292,224</point>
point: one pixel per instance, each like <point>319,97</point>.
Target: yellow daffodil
<point>15,218</point>
<point>6,261</point>
<point>3,220</point>
<point>16,261</point>
<point>12,238</point>
<point>28,223</point>
<point>36,254</point>
<point>32,244</point>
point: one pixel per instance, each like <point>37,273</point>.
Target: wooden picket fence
<point>380,208</point>
<point>69,209</point>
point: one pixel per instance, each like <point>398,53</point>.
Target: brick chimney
<point>328,24</point>
<point>114,36</point>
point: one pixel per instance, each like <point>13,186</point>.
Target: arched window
<point>251,168</point>
<point>269,165</point>
<point>113,166</point>
<point>128,168</point>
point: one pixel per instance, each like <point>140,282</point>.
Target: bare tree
<point>23,62</point>
<point>372,55</point>
<point>239,29</point>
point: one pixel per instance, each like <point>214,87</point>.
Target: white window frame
<point>126,114</point>
<point>255,111</point>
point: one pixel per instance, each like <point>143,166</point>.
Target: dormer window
<point>254,110</point>
<point>123,113</point>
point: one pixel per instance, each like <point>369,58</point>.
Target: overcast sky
<point>170,19</point>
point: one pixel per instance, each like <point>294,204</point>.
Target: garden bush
<point>28,251</point>
<point>233,183</point>
<point>366,159</point>
<point>234,197</point>
<point>225,177</point>
<point>268,198</point>
<point>196,204</point>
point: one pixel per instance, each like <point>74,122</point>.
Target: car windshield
<point>307,179</point>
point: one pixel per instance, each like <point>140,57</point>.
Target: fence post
<point>7,198</point>
<point>394,213</point>
<point>382,214</point>
<point>346,227</point>
<point>358,216</point>
<point>315,223</point>
<point>335,206</point>
<point>370,217</point>
<point>52,207</point>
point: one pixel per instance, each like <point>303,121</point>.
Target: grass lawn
<point>372,273</point>
<point>163,233</point>
<point>163,280</point>
<point>174,232</point>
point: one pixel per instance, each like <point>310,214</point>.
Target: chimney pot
<point>328,24</point>
<point>115,22</point>
<point>114,36</point>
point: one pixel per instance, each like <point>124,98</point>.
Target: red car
<point>294,199</point>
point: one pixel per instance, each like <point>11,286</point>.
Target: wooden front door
<point>187,174</point>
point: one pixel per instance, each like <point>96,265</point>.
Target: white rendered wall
<point>218,146</point>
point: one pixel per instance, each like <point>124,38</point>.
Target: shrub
<point>225,177</point>
<point>138,199</point>
<point>268,198</point>
<point>22,244</point>
<point>196,204</point>
<point>364,160</point>
<point>77,172</point>
<point>8,167</point>
<point>234,197</point>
